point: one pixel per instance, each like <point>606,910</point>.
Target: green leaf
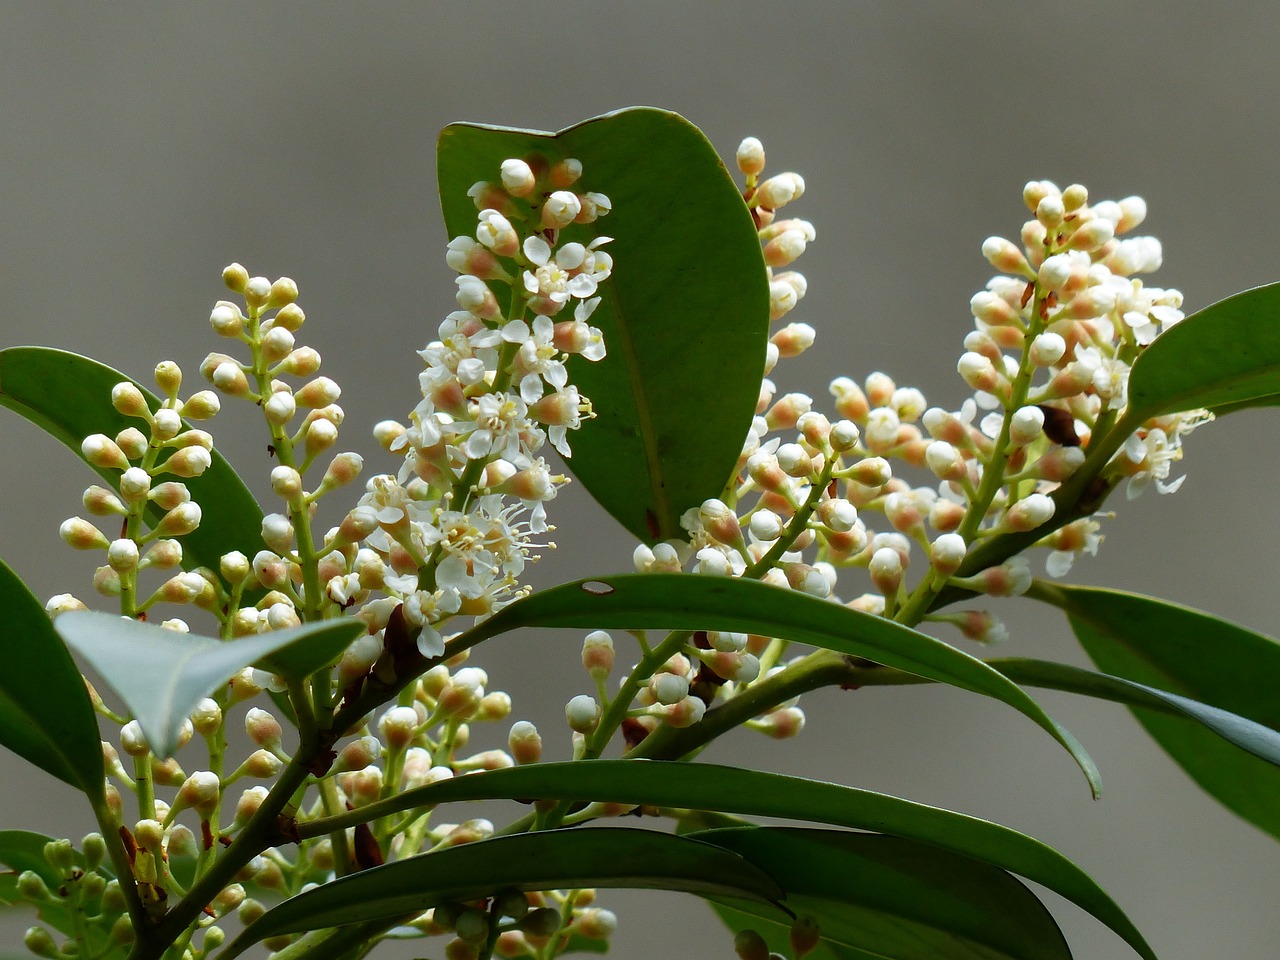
<point>1259,740</point>
<point>45,714</point>
<point>69,397</point>
<point>689,602</point>
<point>545,860</point>
<point>162,674</point>
<point>735,790</point>
<point>686,344</point>
<point>894,899</point>
<point>1200,656</point>
<point>1225,357</point>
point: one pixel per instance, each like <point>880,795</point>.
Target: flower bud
<point>560,209</point>
<point>226,319</point>
<point>524,743</point>
<point>179,521</point>
<point>263,729</point>
<point>82,535</point>
<point>886,571</point>
<point>582,714</point>
<point>598,655</point>
<point>946,553</point>
<point>200,791</point>
<point>518,178</point>
<point>1028,513</point>
<point>103,452</point>
<point>122,555</point>
<point>188,462</point>
<point>750,156</point>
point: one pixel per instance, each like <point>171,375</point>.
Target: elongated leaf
<point>45,714</point>
<point>685,315</point>
<point>535,861</point>
<point>735,790</point>
<point>1200,656</point>
<point>1225,357</point>
<point>69,397</point>
<point>885,897</point>
<point>1259,740</point>
<point>162,674</point>
<point>687,602</point>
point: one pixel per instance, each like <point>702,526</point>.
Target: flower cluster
<point>167,447</point>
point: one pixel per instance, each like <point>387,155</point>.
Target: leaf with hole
<point>688,602</point>
<point>685,315</point>
<point>162,674</point>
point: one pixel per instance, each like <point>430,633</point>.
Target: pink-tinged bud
<point>494,706</point>
<point>184,588</point>
<point>262,765</point>
<point>286,482</point>
<point>128,400</point>
<point>1012,578</point>
<point>107,582</point>
<point>750,156</point>
<point>946,462</point>
<point>668,688</point>
<point>82,535</point>
<point>1059,463</point>
<point>886,571</point>
<point>788,410</point>
<point>873,472</point>
<point>206,718</point>
<point>271,571</point>
<point>1055,272</point>
<point>256,292</point>
<point>169,495</point>
<point>342,469</point>
<point>1004,256</point>
<point>187,463</point>
<point>903,511</point>
<point>319,392</point>
<point>1092,235</point>
<point>133,741</point>
<point>518,178</point>
<point>560,210</point>
<point>230,379</point>
<point>168,377</point>
<point>992,309</point>
<point>362,787</point>
<point>850,402</point>
<point>277,343</point>
<point>582,714</point>
<point>101,502</point>
<point>122,555</point>
<point>1050,211</point>
<point>793,339</point>
<point>263,729</point>
<point>596,923</point>
<point>226,320</point>
<point>978,372</point>
<point>1026,425</point>
<point>212,362</point>
<point>469,831</point>
<point>598,655</point>
<point>359,754</point>
<point>200,792</point>
<point>62,602</point>
<point>181,520</point>
<point>778,191</point>
<point>1028,513</point>
<point>782,300</point>
<point>302,362</point>
<point>475,297</point>
<point>786,248</point>
<point>946,553</point>
<point>280,408</point>
<point>283,292</point>
<point>103,452</point>
<point>524,743</point>
<point>399,726</point>
<point>201,405</point>
<point>981,626</point>
<point>565,173</point>
<point>838,515</point>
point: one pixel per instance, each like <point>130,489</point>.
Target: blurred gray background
<point>144,146</point>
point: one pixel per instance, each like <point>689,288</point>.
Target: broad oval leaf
<point>690,602</point>
<point>1261,741</point>
<point>162,674</point>
<point>893,899</point>
<point>549,859</point>
<point>69,397</point>
<point>1225,357</point>
<point>45,714</point>
<point>686,343</point>
<point>735,790</point>
<point>1200,656</point>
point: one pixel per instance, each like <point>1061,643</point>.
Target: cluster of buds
<point>294,569</point>
<point>165,446</point>
<point>519,924</point>
<point>450,534</point>
<point>78,882</point>
<point>1048,363</point>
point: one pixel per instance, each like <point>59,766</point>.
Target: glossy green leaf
<point>1225,357</point>
<point>546,860</point>
<point>675,395</point>
<point>1257,739</point>
<point>45,714</point>
<point>69,397</point>
<point>894,899</point>
<point>687,602</point>
<point>736,790</point>
<point>1200,656</point>
<point>162,674</point>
